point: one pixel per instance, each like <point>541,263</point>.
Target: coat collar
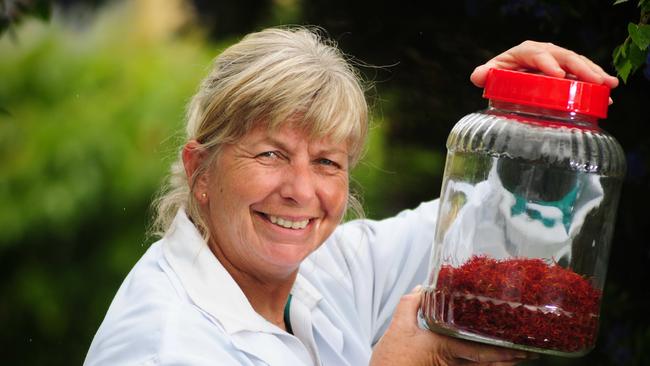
<point>211,287</point>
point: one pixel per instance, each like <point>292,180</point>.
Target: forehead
<point>290,135</point>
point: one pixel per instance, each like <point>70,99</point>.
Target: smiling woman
<point>294,198</point>
<point>254,266</point>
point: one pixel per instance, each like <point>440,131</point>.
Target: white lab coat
<point>179,306</point>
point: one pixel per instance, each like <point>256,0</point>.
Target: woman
<point>254,267</point>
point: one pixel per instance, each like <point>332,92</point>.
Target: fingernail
<point>416,289</point>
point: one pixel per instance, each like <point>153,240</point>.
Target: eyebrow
<point>283,146</point>
<point>275,142</point>
<point>332,151</point>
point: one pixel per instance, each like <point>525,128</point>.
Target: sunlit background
<point>92,101</point>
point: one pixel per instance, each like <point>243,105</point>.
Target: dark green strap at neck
<point>287,315</point>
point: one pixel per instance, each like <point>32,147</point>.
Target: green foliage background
<point>91,114</point>
<point>633,53</point>
<point>86,138</point>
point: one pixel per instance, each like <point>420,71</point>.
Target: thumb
<point>407,310</point>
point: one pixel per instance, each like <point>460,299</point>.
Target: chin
<point>289,258</point>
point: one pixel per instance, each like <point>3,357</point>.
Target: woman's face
<point>274,197</point>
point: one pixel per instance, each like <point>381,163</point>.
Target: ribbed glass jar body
<point>527,211</point>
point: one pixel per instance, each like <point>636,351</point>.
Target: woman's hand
<point>548,58</point>
<point>404,343</point>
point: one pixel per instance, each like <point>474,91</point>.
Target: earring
<point>204,195</point>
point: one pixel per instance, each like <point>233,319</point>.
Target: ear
<point>193,156</point>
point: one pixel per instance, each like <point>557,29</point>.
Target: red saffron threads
<point>520,300</point>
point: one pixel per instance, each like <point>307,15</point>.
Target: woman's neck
<point>267,298</point>
<point>266,293</point>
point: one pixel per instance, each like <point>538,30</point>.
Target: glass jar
<point>527,211</point>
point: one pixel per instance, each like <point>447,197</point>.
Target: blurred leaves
<point>85,115</point>
<point>13,11</point>
<point>84,144</point>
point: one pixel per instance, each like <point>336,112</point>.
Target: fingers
<point>404,343</point>
<point>592,72</point>
<point>481,353</point>
<point>608,80</point>
<point>480,74</point>
<point>579,66</point>
<point>556,61</point>
<point>546,63</point>
<point>548,58</point>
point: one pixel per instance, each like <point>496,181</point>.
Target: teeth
<point>287,223</point>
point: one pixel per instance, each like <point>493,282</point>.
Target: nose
<point>299,184</point>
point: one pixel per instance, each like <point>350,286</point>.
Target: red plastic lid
<point>547,92</point>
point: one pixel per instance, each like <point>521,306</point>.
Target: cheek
<point>335,197</point>
<point>237,191</point>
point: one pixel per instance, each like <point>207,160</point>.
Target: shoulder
<point>426,212</point>
<point>359,235</point>
<point>359,248</point>
<point>152,321</point>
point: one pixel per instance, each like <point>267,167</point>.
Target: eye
<point>327,163</point>
<point>269,155</point>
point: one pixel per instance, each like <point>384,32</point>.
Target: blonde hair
<point>276,76</point>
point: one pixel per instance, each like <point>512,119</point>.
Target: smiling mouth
<point>286,223</point>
